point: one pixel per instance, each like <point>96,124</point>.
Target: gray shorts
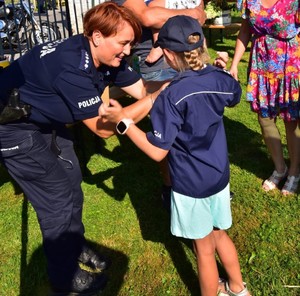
<point>195,218</point>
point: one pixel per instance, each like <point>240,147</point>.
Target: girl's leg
<point>207,265</point>
<point>229,258</point>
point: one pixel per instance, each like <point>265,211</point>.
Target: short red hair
<point>107,17</point>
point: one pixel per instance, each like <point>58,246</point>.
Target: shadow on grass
<point>247,149</point>
<point>5,178</point>
<point>138,176</point>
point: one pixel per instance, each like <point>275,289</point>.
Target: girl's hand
<point>113,113</point>
<point>221,60</point>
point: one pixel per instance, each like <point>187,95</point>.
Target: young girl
<point>187,121</point>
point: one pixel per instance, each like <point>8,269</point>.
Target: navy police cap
<point>175,32</point>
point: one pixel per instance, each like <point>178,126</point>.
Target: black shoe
<point>93,259</point>
<point>83,284</point>
<point>166,197</point>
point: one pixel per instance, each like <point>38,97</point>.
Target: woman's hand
<point>112,112</point>
<point>234,72</point>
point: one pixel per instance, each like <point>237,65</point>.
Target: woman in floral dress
<point>273,79</point>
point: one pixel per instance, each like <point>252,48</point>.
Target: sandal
<point>272,182</point>
<point>244,292</point>
<point>291,185</point>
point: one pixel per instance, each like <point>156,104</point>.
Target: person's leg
<point>229,258</point>
<point>207,265</point>
<point>69,161</point>
<point>293,142</point>
<point>155,52</point>
<point>56,198</point>
<point>50,191</point>
<point>272,138</point>
<point>167,185</point>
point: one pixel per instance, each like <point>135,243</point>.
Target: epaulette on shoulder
<point>85,61</point>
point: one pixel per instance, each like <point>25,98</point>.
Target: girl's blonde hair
<point>194,59</point>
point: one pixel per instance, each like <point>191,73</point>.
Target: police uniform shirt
<point>60,82</point>
<point>187,119</point>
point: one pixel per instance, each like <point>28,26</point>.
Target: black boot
<point>83,284</point>
<point>93,259</point>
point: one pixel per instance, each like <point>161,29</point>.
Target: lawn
<point>124,217</point>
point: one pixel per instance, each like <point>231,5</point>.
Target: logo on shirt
<point>50,47</point>
<point>89,102</point>
<point>157,134</point>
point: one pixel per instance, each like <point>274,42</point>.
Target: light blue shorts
<point>195,218</point>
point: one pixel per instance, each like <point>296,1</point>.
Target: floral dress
<point>274,66</point>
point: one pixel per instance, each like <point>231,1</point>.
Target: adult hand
<point>234,72</point>
<point>221,59</point>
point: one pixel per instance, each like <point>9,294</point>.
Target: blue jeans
<point>160,75</point>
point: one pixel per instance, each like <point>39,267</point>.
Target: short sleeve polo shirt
<point>59,80</point>
<point>187,119</point>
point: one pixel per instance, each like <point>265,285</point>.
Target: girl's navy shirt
<point>187,119</point>
<point>60,82</point>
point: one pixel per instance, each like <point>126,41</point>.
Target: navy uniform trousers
<point>53,187</point>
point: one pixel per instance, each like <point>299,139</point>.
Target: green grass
<point>124,218</point>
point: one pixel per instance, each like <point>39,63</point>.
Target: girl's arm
<point>138,137</point>
<point>104,128</point>
<point>114,113</point>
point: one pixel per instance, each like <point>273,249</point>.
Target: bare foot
<point>154,55</point>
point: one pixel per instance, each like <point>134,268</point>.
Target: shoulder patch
<point>85,62</point>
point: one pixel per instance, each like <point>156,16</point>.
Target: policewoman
<point>58,83</point>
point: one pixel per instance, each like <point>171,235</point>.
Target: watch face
<point>121,127</point>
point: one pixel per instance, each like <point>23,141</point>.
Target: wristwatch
<point>123,125</point>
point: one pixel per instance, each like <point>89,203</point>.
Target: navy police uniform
<point>187,119</point>
<point>61,84</point>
